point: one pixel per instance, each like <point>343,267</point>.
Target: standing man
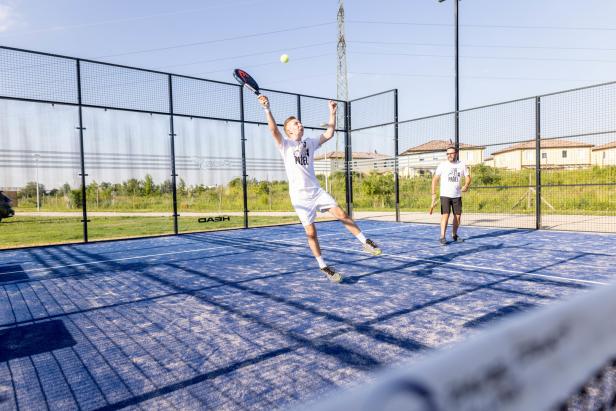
<point>306,193</point>
<point>450,173</point>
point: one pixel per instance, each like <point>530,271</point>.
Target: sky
<point>508,49</point>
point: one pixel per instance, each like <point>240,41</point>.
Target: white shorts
<point>306,206</point>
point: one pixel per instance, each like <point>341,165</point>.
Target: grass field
<point>589,191</point>
<point>28,231</point>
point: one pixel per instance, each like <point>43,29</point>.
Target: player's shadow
<point>431,263</point>
<point>499,233</point>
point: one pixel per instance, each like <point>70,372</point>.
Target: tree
<point>148,185</point>
<point>166,187</point>
<point>66,189</point>
<point>29,191</point>
<point>181,189</point>
<point>75,198</point>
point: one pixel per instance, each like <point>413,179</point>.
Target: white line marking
<point>478,267</point>
<point>285,241</point>
<point>32,270</point>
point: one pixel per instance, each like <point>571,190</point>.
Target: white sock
<point>361,237</point>
<point>321,262</point>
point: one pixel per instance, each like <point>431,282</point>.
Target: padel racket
<point>246,80</point>
<point>432,206</point>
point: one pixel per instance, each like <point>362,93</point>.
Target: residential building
<point>604,155</point>
<point>426,157</point>
<point>555,153</point>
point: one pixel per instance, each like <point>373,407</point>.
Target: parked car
<point>5,207</point>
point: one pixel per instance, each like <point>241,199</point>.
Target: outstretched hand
<point>264,101</point>
<point>333,106</point>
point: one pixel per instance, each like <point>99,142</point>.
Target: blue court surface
<point>245,320</point>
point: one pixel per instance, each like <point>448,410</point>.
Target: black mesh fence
<point>92,151</point>
<point>543,162</point>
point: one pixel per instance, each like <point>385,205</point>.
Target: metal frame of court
<point>353,122</point>
<point>171,113</point>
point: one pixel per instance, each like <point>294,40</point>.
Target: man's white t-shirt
<point>451,175</point>
<point>298,160</point>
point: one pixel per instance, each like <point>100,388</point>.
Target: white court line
<point>285,241</point>
<point>478,267</point>
<point>554,277</point>
<point>32,270</point>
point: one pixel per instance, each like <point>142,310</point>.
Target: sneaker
<point>331,274</point>
<point>443,241</point>
<point>371,247</point>
<point>458,239</point>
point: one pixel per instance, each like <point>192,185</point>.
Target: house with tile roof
<point>425,157</point>
<point>604,155</point>
<point>555,153</point>
<point>363,162</point>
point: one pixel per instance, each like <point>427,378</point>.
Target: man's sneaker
<point>458,239</point>
<point>371,247</point>
<point>443,241</point>
<point>331,274</point>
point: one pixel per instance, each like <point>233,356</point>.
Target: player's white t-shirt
<point>306,193</point>
<point>298,160</point>
<point>451,175</point>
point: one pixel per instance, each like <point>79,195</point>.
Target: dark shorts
<point>448,203</point>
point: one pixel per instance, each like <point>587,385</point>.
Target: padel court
<point>244,319</point>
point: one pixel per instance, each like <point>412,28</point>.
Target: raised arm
<point>331,123</point>
<point>271,123</point>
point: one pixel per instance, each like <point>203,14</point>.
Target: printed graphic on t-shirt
<point>301,154</point>
<point>454,176</point>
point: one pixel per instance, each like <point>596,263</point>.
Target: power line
<point>420,75</point>
<point>487,57</point>
<point>246,55</point>
<point>501,46</point>
<point>493,26</point>
<point>199,43</point>
<point>124,20</point>
<point>228,70</point>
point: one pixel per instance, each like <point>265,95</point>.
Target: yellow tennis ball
<point>284,58</point>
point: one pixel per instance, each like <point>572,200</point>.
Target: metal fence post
<point>173,171</point>
<point>244,173</point>
<point>538,163</point>
<point>396,177</point>
<point>348,157</point>
<point>83,174</point>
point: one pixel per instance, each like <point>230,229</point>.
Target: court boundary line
<point>296,243</point>
<point>160,254</point>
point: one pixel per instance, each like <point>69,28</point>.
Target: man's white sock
<point>321,262</point>
<point>361,237</point>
